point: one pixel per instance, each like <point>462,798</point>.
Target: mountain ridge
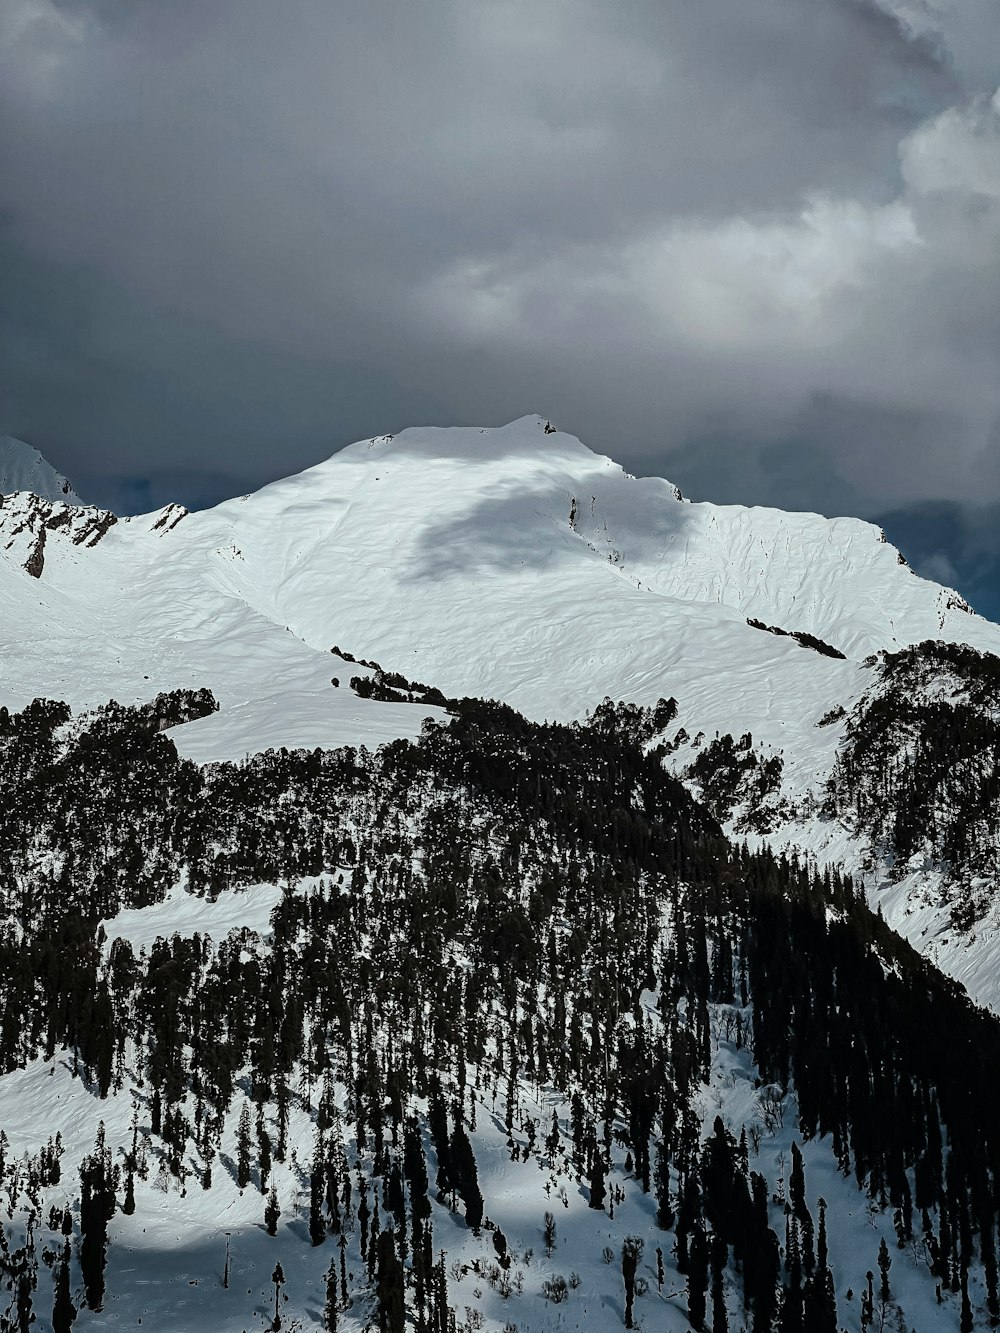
<point>23,468</point>
<point>513,563</point>
<point>614,959</point>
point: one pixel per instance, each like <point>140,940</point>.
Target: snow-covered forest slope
<point>480,905</point>
<point>516,564</point>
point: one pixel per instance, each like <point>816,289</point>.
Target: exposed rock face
<point>26,520</point>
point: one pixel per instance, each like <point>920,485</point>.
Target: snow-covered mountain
<point>291,962</point>
<point>512,563</point>
<point>23,468</point>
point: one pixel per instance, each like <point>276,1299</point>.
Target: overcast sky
<point>751,245</point>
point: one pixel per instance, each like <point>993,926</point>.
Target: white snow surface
<point>513,563</point>
<point>166,1262</point>
<point>181,913</point>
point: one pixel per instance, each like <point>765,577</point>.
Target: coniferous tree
<point>25,1318</point>
<point>389,1292</point>
<point>464,1177</point>
<point>820,1302</point>
<point>331,1307</point>
<point>720,1255</point>
<point>97,1206</point>
<point>278,1278</point>
<point>437,1119</point>
<point>317,1222</point>
<point>661,1182</point>
<point>128,1203</point>
<point>631,1252</point>
<point>272,1212</point>
<point>415,1171</point>
<point>697,1277</point>
<point>965,1323</point>
<point>63,1309</point>
<point>884,1264</point>
<point>243,1148</point>
<point>598,1190</point>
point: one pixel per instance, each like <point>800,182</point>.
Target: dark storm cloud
<point>244,233</point>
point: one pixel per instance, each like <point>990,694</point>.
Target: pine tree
<point>97,1206</point>
<point>330,1309</point>
<point>965,1323</point>
<point>820,1304</point>
<point>278,1278</point>
<point>661,1183</point>
<point>552,1139</point>
<point>720,1255</point>
<point>884,1264</point>
<point>243,1148</point>
<point>415,1170</point>
<point>631,1253</point>
<point>272,1212</point>
<point>264,1150</point>
<point>464,1177</point>
<point>128,1204</point>
<point>389,1290</point>
<point>598,1190</point>
<point>63,1309</point>
<point>697,1277</point>
<point>23,1299</point>
<point>317,1222</point>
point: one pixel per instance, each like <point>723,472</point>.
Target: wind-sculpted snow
<point>511,563</point>
<point>281,932</point>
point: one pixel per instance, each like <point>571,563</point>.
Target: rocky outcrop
<point>26,520</point>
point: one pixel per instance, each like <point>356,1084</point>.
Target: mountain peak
<point>531,435</point>
<point>22,468</point>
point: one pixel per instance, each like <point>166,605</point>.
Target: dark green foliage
<point>63,1310</point>
<point>803,639</point>
<point>732,774</point>
<point>415,1170</point>
<point>884,1264</point>
<point>272,1212</point>
<point>631,1254</point>
<point>389,1292</point>
<point>697,1278</point>
<point>488,911</point>
<point>598,1191</point>
<point>243,1148</point>
<point>97,1207</point>
<point>920,766</point>
<point>332,1307</point>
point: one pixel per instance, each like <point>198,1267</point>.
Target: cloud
<point>871,331</point>
<point>701,237</point>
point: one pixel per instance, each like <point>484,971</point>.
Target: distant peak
<point>22,468</point>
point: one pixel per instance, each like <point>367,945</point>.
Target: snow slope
<point>23,468</point>
<point>514,563</point>
<point>511,562</point>
<point>166,1262</point>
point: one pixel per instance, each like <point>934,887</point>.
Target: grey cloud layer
<point>686,229</point>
